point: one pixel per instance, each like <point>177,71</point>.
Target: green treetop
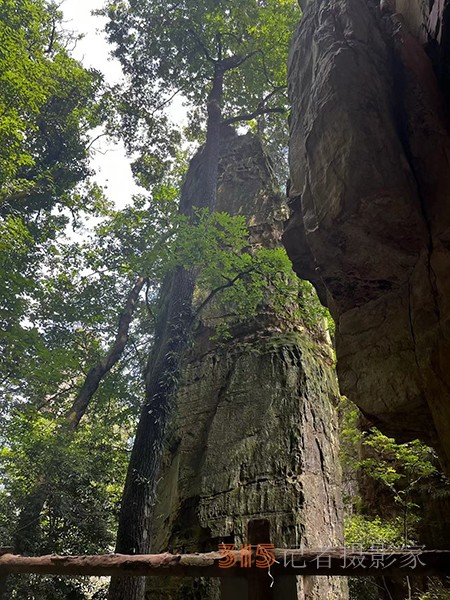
<point>182,47</point>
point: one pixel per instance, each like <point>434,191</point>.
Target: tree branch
<point>52,39</point>
<point>254,114</point>
<point>203,47</point>
<point>97,373</point>
<point>261,109</point>
<point>235,61</point>
<point>266,74</point>
<point>166,101</point>
<point>334,561</point>
<point>271,94</point>
<point>214,292</point>
<point>100,135</point>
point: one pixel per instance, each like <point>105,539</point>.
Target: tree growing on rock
<point>228,60</point>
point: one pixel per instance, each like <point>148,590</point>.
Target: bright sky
<point>110,161</point>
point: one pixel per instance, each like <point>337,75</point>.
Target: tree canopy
<point>48,105</point>
<point>176,48</point>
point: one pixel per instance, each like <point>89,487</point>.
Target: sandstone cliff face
<point>254,434</point>
<point>370,212</point>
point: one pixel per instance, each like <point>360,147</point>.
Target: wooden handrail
<point>340,561</point>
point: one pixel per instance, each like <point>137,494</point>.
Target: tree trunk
<point>97,373</point>
<point>172,338</point>
<point>29,518</point>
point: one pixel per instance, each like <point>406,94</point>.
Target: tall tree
<point>48,105</point>
<point>228,59</point>
<point>212,54</point>
<point>51,485</point>
<point>34,502</point>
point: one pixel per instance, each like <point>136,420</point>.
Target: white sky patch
<point>112,166</point>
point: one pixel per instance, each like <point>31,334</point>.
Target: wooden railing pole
<point>341,562</point>
<point>4,576</point>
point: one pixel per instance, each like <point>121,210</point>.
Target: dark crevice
<point>403,130</point>
<point>204,434</point>
<point>438,52</point>
<point>411,328</point>
<point>321,456</point>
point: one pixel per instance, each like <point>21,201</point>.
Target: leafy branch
<point>221,288</point>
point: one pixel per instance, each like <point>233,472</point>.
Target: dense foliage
<point>386,485</point>
<point>397,471</point>
<point>51,326</point>
<point>48,103</point>
<point>65,287</point>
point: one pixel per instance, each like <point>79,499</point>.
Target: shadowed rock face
<point>370,202</point>
<point>253,436</point>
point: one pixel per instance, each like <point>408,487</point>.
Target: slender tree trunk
<point>96,374</point>
<point>134,532</point>
<point>29,518</point>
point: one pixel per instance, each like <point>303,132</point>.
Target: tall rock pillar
<point>253,440</point>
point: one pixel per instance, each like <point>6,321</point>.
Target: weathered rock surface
<point>370,212</point>
<point>254,433</point>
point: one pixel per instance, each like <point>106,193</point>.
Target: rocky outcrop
<point>253,440</point>
<point>369,198</point>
